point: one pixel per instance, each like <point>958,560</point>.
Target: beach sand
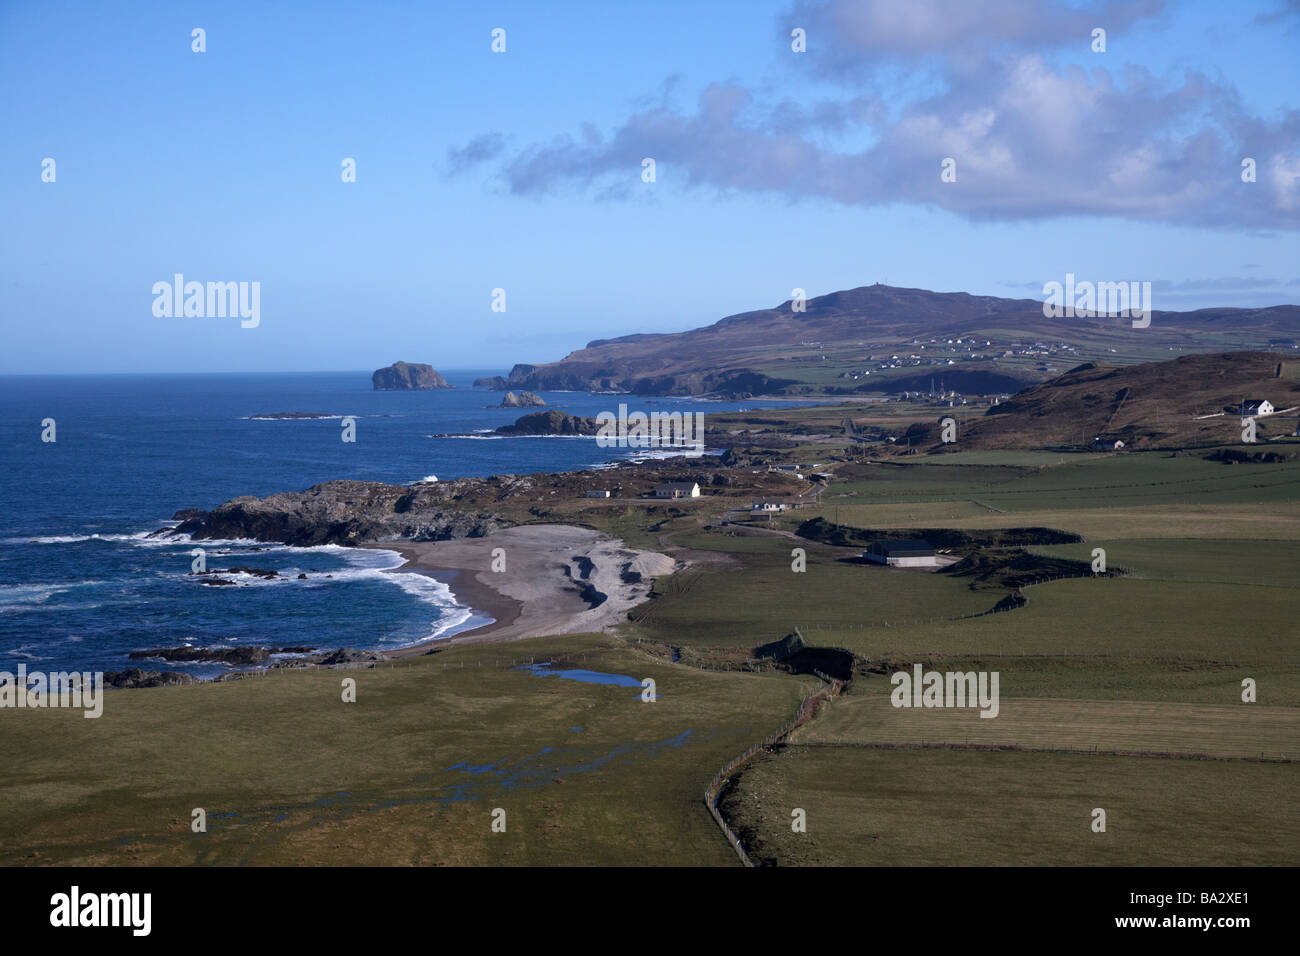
<point>558,579</point>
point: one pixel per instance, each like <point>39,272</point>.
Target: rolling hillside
<point>1189,401</point>
<point>882,338</point>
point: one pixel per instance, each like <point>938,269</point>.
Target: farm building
<point>598,494</point>
<point>1103,443</point>
<point>1259,406</point>
<point>677,489</point>
<point>908,553</point>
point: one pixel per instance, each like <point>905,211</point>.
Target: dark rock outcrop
<point>348,655</point>
<point>1233,456</point>
<point>346,513</point>
<point>495,382</point>
<point>792,643</point>
<point>731,383</point>
<point>554,422</point>
<point>239,656</point>
<point>134,677</point>
<point>401,375</point>
<point>959,541</point>
<point>522,400</point>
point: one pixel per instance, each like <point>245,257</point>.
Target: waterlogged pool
<point>587,677</point>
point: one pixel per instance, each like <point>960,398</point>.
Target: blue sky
<point>521,170</point>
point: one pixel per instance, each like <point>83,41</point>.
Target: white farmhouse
<point>677,489</point>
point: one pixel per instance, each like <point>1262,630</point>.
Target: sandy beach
<point>557,579</point>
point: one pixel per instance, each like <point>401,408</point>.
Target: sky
<point>522,170</point>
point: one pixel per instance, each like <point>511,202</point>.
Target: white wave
<point>659,454</point>
<point>505,437</point>
<point>137,537</point>
<point>20,594</point>
<point>451,613</point>
<point>11,594</point>
<point>368,564</point>
<point>15,609</point>
<point>301,418</point>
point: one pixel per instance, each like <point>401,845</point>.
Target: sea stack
<point>402,375</point>
<point>522,400</point>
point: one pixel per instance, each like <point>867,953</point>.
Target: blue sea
<point>81,584</point>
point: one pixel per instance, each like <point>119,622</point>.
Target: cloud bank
<point>1037,125</point>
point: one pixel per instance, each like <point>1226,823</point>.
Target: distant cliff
<point>401,375</point>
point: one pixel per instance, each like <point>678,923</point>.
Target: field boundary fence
<point>1263,756</point>
<point>805,711</point>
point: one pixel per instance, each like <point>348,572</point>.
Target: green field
<point>1022,482</point>
<point>409,774</point>
<point>929,807</point>
<point>762,599</point>
<point>1150,663</point>
<point>1120,726</point>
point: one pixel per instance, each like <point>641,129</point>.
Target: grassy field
<point>1021,482</point>
<point>763,599</point>
<point>409,774</point>
<point>1151,662</point>
<point>1216,730</point>
<point>1107,616</point>
<point>1246,562</point>
<point>930,807</point>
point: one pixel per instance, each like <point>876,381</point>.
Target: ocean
<point>81,584</point>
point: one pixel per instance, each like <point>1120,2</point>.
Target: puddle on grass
<point>539,769</point>
<point>586,677</point>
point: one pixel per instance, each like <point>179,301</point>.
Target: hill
<point>1186,402</point>
<point>883,338</point>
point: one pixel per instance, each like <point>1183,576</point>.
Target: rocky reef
<point>554,422</point>
<point>343,512</point>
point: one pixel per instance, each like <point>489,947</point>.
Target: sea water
<point>82,584</point>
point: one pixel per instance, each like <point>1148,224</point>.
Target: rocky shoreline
<point>565,579</point>
<point>340,512</point>
<point>245,656</point>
